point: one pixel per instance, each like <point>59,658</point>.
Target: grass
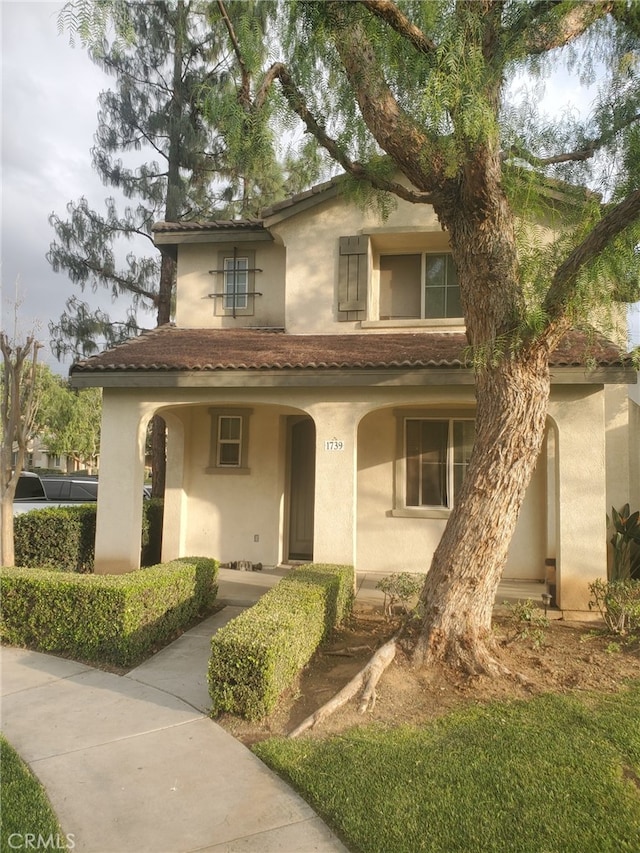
<point>26,811</point>
<point>558,774</point>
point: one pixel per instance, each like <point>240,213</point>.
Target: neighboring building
<point>319,405</point>
<point>39,458</point>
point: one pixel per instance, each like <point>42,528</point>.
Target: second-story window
<point>235,277</point>
<point>419,286</point>
<point>236,283</point>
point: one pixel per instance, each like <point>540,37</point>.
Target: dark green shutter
<point>353,274</point>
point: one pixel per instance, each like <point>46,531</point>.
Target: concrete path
<point>133,764</point>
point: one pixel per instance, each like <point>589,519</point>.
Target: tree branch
<point>244,95</point>
<point>411,149</point>
<point>356,169</point>
<point>125,283</point>
<point>543,36</point>
<point>577,156</point>
<point>295,99</point>
<point>391,15</point>
<point>564,281</point>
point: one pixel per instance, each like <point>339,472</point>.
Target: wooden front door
<point>302,480</point>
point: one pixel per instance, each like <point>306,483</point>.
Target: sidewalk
<point>132,763</point>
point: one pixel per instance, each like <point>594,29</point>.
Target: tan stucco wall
<point>634,445</point>
<point>618,450</point>
<point>392,543</point>
<point>125,415</point>
<point>578,414</point>
<point>311,241</point>
<point>220,515</point>
<point>194,308</point>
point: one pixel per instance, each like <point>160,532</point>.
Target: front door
<point>302,481</point>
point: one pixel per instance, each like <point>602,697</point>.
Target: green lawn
<point>555,774</point>
<point>28,821</point>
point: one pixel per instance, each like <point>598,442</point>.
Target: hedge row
<point>63,538</point>
<point>117,619</point>
<point>256,656</point>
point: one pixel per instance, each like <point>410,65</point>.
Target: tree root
<point>367,678</point>
<point>347,651</point>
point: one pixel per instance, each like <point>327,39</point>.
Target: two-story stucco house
<point>319,405</point>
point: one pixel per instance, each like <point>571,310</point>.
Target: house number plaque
<point>334,444</point>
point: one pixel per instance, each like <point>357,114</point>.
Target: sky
<point>49,116</point>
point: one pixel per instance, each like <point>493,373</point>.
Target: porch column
<point>334,537</point>
<point>119,511</point>
<point>580,494</point>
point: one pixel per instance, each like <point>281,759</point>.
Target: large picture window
<point>419,286</point>
<point>436,456</point>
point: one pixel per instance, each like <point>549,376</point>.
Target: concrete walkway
<point>133,763</point>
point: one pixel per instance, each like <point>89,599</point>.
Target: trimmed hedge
<point>256,656</point>
<point>116,619</point>
<point>58,538</point>
<point>63,538</point>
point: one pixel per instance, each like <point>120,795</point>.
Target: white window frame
<point>232,263</point>
<point>216,465</point>
<point>423,299</point>
<point>401,507</point>
<point>422,319</point>
<point>235,295</point>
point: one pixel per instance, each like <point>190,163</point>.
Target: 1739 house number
<point>334,444</point>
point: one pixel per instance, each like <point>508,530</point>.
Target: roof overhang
<point>331,377</point>
<point>168,238</point>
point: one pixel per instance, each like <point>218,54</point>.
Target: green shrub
<point>117,619</point>
<point>618,603</point>
<point>259,654</point>
<point>400,588</point>
<point>524,621</point>
<point>626,544</point>
<point>60,538</point>
<point>63,538</point>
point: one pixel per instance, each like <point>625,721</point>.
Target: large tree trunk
<point>461,586</point>
<point>158,426</point>
<point>512,387</point>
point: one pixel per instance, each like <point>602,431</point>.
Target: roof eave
<point>321,377</point>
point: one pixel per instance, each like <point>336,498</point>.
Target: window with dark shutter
<point>353,273</point>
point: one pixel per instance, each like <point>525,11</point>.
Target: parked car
<point>30,494</point>
<point>35,492</point>
<point>61,488</point>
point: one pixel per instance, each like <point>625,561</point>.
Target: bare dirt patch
<point>566,656</point>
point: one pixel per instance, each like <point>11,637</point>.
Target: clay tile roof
<point>217,225</point>
<point>171,349</point>
<point>316,190</point>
